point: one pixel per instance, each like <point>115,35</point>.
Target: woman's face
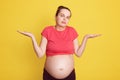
<point>63,17</point>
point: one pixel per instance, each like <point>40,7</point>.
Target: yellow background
<point>101,58</point>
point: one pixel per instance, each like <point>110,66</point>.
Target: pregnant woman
<point>59,42</point>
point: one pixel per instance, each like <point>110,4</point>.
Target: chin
<point>63,25</point>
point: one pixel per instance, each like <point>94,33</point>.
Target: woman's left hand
<point>92,35</point>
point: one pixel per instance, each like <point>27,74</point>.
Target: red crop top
<point>59,42</point>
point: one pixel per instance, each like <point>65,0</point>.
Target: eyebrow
<point>63,14</point>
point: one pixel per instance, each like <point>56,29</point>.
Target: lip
<point>63,22</point>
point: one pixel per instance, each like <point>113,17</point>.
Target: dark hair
<point>62,7</point>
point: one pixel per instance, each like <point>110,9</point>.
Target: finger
<point>21,32</point>
<point>98,34</point>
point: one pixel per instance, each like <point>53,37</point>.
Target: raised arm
<point>40,50</point>
<point>80,49</point>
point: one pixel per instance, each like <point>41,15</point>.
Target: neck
<point>59,28</point>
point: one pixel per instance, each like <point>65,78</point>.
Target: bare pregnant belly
<point>59,66</point>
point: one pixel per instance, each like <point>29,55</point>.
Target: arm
<point>40,50</point>
<point>80,49</point>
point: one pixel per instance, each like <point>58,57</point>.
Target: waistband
<point>47,76</point>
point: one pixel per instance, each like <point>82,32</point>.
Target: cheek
<point>58,19</point>
<point>67,20</point>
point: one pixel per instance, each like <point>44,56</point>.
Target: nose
<point>64,18</point>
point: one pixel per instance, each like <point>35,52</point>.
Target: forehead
<point>65,12</point>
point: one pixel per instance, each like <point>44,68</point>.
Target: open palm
<point>92,35</point>
<point>26,33</point>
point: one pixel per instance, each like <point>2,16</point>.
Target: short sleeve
<point>74,34</point>
<point>45,33</point>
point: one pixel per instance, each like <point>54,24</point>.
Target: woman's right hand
<point>26,33</point>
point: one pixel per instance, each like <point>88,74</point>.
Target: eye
<point>62,15</point>
<point>68,17</point>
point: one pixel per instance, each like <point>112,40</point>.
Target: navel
<point>61,69</point>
